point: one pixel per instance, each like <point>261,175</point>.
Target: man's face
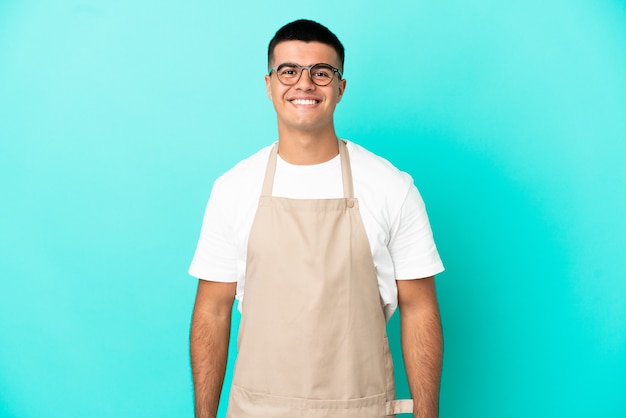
<point>305,106</point>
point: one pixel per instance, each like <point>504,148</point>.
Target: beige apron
<point>312,339</point>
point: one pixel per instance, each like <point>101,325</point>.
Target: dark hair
<point>306,31</point>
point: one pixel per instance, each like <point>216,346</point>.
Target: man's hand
<point>210,333</point>
<point>422,343</point>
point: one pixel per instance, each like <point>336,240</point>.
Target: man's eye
<point>288,72</point>
<point>322,74</point>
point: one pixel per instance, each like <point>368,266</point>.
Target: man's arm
<point>422,343</point>
<point>210,333</point>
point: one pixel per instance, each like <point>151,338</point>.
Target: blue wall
<point>116,116</point>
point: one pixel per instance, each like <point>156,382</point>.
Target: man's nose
<point>305,81</point>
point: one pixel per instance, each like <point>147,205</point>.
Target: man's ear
<point>268,80</point>
<point>342,89</point>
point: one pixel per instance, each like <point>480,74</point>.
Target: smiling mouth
<point>304,101</point>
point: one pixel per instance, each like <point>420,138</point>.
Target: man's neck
<point>307,148</point>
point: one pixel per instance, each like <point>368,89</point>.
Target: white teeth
<point>304,102</point>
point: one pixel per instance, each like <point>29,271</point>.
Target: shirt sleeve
<point>215,258</point>
<point>411,242</point>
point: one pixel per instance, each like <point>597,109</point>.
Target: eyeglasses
<point>321,74</point>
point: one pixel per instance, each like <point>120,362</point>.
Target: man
<point>319,240</point>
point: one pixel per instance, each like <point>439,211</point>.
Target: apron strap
<point>404,406</point>
<point>346,171</point>
<point>270,169</point>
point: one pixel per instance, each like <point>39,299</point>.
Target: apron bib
<point>312,339</point>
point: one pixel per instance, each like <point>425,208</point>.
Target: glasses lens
<point>322,74</point>
<point>288,73</point>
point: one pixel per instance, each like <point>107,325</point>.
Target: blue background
<point>116,117</point>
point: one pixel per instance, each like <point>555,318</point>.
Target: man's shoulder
<point>366,164</point>
<point>236,189</point>
<point>246,169</point>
